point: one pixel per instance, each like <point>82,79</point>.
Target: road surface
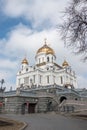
<point>49,121</point>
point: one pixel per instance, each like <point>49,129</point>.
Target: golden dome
<point>65,63</point>
<point>46,49</point>
<point>24,61</point>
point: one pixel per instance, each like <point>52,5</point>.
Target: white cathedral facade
<point>46,72</point>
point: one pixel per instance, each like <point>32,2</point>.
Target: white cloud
<point>39,12</point>
<point>21,39</point>
<point>7,64</point>
<point>3,75</point>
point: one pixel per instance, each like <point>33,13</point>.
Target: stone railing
<point>62,103</point>
<point>75,102</point>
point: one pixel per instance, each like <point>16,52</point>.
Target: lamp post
<point>2,89</point>
<point>2,81</point>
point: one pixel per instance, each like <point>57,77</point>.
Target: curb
<point>79,117</point>
<point>23,127</point>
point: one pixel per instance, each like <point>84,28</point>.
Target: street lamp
<point>2,81</point>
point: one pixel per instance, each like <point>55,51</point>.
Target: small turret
<point>65,63</point>
<point>24,63</point>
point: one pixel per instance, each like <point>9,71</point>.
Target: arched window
<point>47,68</point>
<point>62,98</point>
<point>22,67</point>
<point>61,78</point>
<point>47,59</point>
<point>47,79</point>
<point>52,58</point>
<point>40,78</point>
<point>26,69</point>
<point>34,78</point>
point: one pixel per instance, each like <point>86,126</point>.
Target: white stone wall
<point>40,58</point>
<point>40,77</point>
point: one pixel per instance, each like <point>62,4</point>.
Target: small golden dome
<point>65,63</point>
<point>46,49</point>
<point>24,61</point>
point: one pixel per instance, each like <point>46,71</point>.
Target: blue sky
<point>23,26</point>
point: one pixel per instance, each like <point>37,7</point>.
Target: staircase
<point>47,102</point>
<point>73,106</point>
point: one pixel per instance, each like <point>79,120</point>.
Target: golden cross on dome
<point>64,57</point>
<point>25,55</point>
<point>45,39</point>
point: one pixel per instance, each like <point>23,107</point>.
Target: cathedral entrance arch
<point>62,98</point>
<point>28,108</point>
<point>31,107</point>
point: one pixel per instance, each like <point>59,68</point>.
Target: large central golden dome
<point>46,49</point>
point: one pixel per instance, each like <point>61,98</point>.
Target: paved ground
<point>50,121</point>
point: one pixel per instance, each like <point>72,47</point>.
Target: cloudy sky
<point>23,26</point>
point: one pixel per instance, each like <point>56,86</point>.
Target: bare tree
<point>74,27</point>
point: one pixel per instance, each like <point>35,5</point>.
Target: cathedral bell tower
<point>24,63</point>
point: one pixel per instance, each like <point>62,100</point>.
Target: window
<point>40,78</point>
<point>61,78</point>
<point>30,81</point>
<point>26,69</point>
<point>52,59</point>
<point>34,78</point>
<point>47,59</point>
<point>18,81</point>
<point>22,67</point>
<point>47,68</point>
<point>26,80</point>
<point>54,79</point>
<point>19,72</point>
<point>47,79</point>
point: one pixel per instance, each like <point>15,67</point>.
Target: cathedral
<point>45,72</point>
<point>46,86</point>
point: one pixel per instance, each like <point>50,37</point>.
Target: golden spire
<point>65,63</point>
<point>24,61</point>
